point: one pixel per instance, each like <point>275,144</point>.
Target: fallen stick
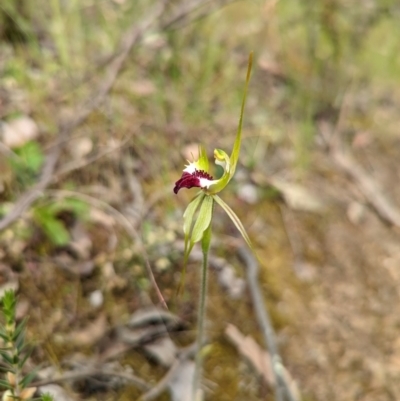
<point>282,386</point>
<point>88,372</point>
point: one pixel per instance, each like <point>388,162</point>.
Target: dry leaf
<point>259,358</point>
<point>297,196</point>
<point>91,334</point>
<point>181,385</point>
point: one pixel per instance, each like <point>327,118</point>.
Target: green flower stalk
<point>197,174</point>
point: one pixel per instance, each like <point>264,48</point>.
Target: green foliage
<point>51,225</point>
<point>30,157</point>
<point>14,353</point>
<point>14,21</point>
<point>28,162</point>
<point>46,217</point>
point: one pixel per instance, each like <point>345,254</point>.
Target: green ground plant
<point>14,353</point>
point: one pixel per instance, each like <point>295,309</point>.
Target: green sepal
<point>203,163</point>
<point>235,220</point>
<point>201,231</point>
<point>189,214</point>
<point>202,222</point>
<point>187,225</point>
<point>236,147</point>
<point>8,359</point>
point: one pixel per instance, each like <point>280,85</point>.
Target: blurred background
<point>316,187</point>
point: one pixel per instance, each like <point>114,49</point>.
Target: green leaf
<point>47,397</point>
<point>236,221</point>
<point>28,378</point>
<point>238,139</point>
<point>5,384</point>
<point>30,157</point>
<point>53,228</point>
<point>20,328</point>
<point>25,358</point>
<point>7,358</point>
<point>76,206</point>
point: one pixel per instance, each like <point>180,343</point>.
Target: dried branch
<point>282,387</point>
<point>88,372</point>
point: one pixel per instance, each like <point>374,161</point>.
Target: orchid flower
<point>197,174</point>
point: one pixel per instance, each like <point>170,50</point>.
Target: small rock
<point>96,298</point>
<point>305,271</point>
<point>356,212</point>
<point>19,131</point>
<point>81,147</point>
<point>144,87</point>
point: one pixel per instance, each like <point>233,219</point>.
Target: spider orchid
<point>197,174</point>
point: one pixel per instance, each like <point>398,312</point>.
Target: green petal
<point>219,185</point>
<point>238,139</point>
<point>235,220</point>
<point>203,163</point>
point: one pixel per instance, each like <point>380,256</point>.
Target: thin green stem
<point>205,244</point>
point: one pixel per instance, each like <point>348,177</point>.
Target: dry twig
<point>282,387</point>
<point>88,372</point>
